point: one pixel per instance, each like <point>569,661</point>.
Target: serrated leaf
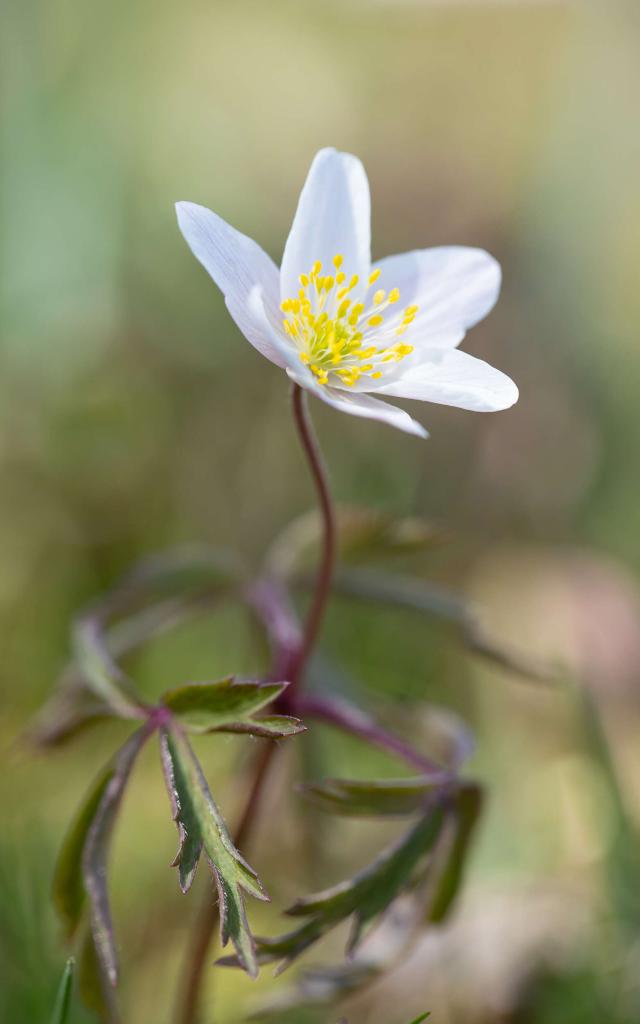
<point>213,707</point>
<point>201,827</point>
<point>362,534</point>
<point>96,849</point>
<point>361,898</point>
<point>375,798</point>
<point>466,812</point>
<point>63,996</point>
<point>387,945</point>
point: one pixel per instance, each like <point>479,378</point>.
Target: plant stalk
<point>328,556</point>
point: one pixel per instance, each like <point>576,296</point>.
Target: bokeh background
<point>134,417</point>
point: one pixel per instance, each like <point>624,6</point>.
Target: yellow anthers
<point>333,335</point>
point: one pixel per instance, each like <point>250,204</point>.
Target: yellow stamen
<point>324,330</point>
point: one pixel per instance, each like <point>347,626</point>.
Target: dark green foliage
<point>63,997</point>
<point>228,706</point>
<point>201,827</point>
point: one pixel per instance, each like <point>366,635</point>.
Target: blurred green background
<point>134,416</point>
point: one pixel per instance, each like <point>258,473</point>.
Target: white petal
<point>333,216</point>
<point>451,377</point>
<point>359,404</point>
<point>237,264</point>
<point>453,286</point>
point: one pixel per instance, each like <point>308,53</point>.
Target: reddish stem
<point>325,571</point>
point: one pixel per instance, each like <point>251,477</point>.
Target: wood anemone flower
<point>349,331</point>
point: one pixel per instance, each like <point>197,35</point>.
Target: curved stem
<point>198,950</point>
<point>327,560</point>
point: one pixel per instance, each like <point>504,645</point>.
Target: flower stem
<point>325,571</point>
<point>197,954</point>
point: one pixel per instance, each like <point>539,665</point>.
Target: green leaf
<point>276,727</point>
<point>213,707</point>
<point>362,534</point>
<point>466,812</point>
<point>429,599</point>
<point>362,898</point>
<point>96,848</point>
<point>377,797</point>
<point>201,826</point>
<point>418,1020</point>
<point>103,676</point>
<point>70,710</point>
<point>185,573</point>
<point>68,890</point>
<point>63,996</point>
<point>96,994</point>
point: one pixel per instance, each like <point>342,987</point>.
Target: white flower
<point>348,331</point>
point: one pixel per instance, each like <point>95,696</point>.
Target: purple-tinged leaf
<point>376,798</point>
<point>275,727</point>
<point>465,814</point>
<point>362,534</point>
<point>70,710</point>
<point>361,898</point>
<point>437,602</point>
<point>96,848</point>
<point>103,676</point>
<point>96,993</point>
<point>68,887</point>
<point>201,826</point>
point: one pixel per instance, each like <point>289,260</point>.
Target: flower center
<point>341,340</point>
